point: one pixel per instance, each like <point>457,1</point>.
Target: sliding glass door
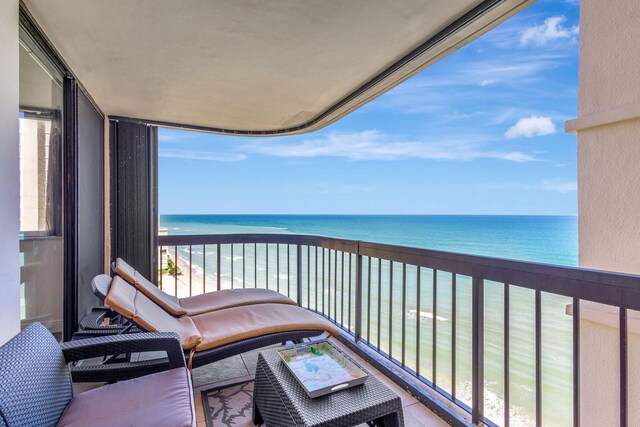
<point>41,189</point>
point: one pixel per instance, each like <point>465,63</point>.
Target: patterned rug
<point>229,405</point>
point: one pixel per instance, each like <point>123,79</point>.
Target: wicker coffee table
<point>279,400</point>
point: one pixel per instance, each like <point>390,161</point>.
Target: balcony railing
<point>498,338</point>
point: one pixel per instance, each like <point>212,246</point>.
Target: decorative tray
<point>321,368</point>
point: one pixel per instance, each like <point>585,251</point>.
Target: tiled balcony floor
<point>241,368</point>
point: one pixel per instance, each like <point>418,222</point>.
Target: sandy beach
<point>190,281</point>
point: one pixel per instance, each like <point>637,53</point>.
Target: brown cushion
<point>198,304</point>
<point>133,304</point>
<point>156,400</point>
<point>164,300</point>
<point>228,298</point>
<point>234,324</point>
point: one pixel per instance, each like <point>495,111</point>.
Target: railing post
<point>477,368</point>
<point>358,328</point>
<point>218,266</point>
<point>298,273</point>
<point>576,362</point>
<point>624,368</point>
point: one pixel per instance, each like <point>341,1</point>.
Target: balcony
<point>475,339</point>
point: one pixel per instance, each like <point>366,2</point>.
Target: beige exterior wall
<point>9,175</point>
<point>609,196</point>
<point>34,155</point>
<point>608,130</point>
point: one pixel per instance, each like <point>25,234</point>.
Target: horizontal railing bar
<point>470,265</point>
<point>618,289</point>
<point>326,242</point>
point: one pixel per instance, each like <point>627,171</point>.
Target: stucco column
<point>608,128</point>
<point>9,178</point>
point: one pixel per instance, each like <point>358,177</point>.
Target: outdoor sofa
<point>36,382</point>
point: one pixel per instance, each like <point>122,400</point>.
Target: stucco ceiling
<point>280,66</point>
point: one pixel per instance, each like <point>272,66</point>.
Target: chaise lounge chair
<point>36,383</point>
<point>215,335</point>
<point>198,304</point>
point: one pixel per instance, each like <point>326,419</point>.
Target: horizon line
<point>362,214</point>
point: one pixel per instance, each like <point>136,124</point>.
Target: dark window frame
<point>71,90</point>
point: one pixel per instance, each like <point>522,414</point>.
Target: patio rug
<point>229,405</point>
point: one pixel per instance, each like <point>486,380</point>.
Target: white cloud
<point>551,30</point>
<point>502,117</point>
<point>530,127</point>
<point>328,188</point>
<point>484,72</point>
<point>466,83</point>
<point>559,187</point>
<point>349,189</point>
<point>164,137</point>
<point>341,189</point>
<point>375,145</point>
<point>202,155</point>
<point>554,186</point>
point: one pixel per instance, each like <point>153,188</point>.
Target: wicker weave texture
<point>228,350</point>
<point>122,344</point>
<point>280,400</point>
<point>100,286</point>
<point>93,329</point>
<point>35,384</point>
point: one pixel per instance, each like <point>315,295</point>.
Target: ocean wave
<point>494,406</point>
<point>425,315</point>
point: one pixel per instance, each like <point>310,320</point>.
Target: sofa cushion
<point>164,300</point>
<point>156,400</point>
<point>228,298</point>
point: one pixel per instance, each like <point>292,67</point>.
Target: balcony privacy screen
<point>134,194</point>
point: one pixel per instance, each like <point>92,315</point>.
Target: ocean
<point>545,239</point>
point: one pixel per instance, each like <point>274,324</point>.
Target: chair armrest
<point>119,344</point>
<point>106,331</point>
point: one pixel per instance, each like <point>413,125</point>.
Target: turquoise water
<point>548,239</point>
<point>530,238</point>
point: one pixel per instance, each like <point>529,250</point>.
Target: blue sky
<point>480,132</point>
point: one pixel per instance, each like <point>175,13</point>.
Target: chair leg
<point>389,420</point>
<point>256,417</point>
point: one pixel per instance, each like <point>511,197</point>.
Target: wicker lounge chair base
<point>95,321</point>
<point>202,358</point>
<point>212,336</point>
